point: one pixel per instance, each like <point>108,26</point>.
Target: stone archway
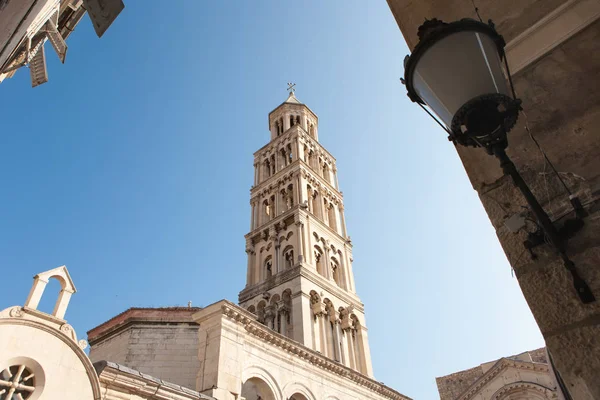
<point>257,389</point>
<point>298,396</point>
<point>523,391</point>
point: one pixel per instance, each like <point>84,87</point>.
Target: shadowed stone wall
<point>561,99</point>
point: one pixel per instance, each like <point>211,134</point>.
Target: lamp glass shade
<point>455,69</point>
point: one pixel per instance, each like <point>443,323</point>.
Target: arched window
<point>314,203</point>
<point>331,332</point>
<point>291,120</point>
<point>290,155</point>
<point>297,120</point>
<point>267,209</point>
<point>285,313</point>
<point>252,309</point>
<point>256,388</point>
<point>332,217</point>
<point>268,268</point>
<point>260,311</point>
<point>319,260</point>
<point>267,168</point>
<point>356,343</point>
<point>326,172</point>
<point>273,164</point>
<point>335,271</point>
<point>288,257</point>
<point>289,201</point>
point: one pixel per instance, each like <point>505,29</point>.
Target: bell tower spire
<point>299,279</point>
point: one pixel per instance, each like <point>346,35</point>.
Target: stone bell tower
<point>299,276</point>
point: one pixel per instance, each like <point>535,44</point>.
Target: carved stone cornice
<point>496,370</point>
<point>276,144</point>
<point>252,291</point>
<point>253,327</point>
<point>277,220</point>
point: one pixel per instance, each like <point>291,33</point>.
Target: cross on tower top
<point>291,88</point>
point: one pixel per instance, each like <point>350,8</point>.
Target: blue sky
<point>133,164</point>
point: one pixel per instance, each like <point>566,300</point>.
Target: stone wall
<point>451,386</point>
<point>561,100</point>
<point>158,342</point>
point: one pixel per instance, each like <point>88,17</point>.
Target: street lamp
<point>456,71</point>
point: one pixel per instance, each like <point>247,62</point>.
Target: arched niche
<point>259,384</point>
<point>298,391</point>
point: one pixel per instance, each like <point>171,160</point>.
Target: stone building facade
<point>553,50</point>
<point>526,376</point>
<point>26,25</point>
<point>298,333</point>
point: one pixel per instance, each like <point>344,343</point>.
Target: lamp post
<point>456,71</point>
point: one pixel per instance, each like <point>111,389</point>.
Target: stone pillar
<point>325,214</point>
<point>319,201</point>
<point>336,341</point>
<point>258,268</point>
<point>299,149</point>
<point>283,316</point>
<point>316,334</point>
<point>300,189</point>
<point>302,319</point>
<point>350,346</point>
<point>343,221</point>
<point>300,247</point>
<point>326,260</point>
<point>256,213</point>
<point>277,255</point>
<point>349,268</point>
<point>250,254</point>
<point>335,176</point>
<point>270,315</point>
<point>35,295</point>
<point>286,122</point>
<point>324,336</point>
<point>366,353</point>
<point>62,303</point>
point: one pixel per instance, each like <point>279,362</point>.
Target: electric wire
<point>476,10</point>
<point>544,154</point>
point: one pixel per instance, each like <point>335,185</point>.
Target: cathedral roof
<point>145,381</point>
<point>164,315</point>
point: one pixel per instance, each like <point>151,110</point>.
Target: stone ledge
<point>163,316</point>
